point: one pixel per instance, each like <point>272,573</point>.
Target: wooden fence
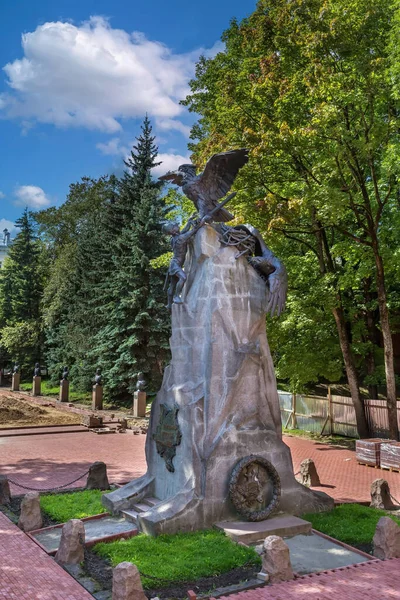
<point>326,415</point>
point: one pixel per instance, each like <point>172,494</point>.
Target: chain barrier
<point>59,487</point>
<point>395,499</point>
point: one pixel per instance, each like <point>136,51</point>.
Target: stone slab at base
<point>251,532</point>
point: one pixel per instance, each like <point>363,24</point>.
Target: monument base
<point>214,446</point>
<point>37,386</point>
<point>139,404</point>
<point>16,378</point>
<point>97,397</point>
<point>64,390</point>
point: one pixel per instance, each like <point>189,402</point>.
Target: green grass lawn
<point>49,390</point>
<point>181,557</point>
<point>75,505</point>
<point>350,523</point>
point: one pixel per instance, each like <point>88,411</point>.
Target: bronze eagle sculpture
<point>205,189</point>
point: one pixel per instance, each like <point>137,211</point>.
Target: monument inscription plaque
<point>168,435</point>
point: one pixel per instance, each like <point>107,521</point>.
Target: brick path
<point>45,461</point>
<point>374,580</point>
<point>50,460</point>
<point>345,480</point>
<point>28,573</point>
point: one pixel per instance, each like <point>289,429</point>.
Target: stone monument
<point>64,386</point>
<point>97,394</point>
<point>37,381</point>
<point>139,397</point>
<point>16,378</point>
<point>214,446</point>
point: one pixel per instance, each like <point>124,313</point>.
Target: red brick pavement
<point>28,573</point>
<point>372,580</point>
<point>46,461</point>
<point>51,460</point>
<point>340,474</point>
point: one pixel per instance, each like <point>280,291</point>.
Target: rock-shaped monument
<point>214,445</point>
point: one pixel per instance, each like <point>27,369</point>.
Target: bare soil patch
<point>15,412</point>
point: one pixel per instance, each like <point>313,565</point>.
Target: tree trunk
<point>387,342</point>
<point>351,372</point>
<point>372,335</point>
<point>327,264</point>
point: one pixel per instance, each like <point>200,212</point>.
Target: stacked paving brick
<point>390,455</point>
<point>368,452</point>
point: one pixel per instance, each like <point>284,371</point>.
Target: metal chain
<point>393,498</point>
<point>53,489</point>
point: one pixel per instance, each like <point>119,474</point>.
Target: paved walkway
<point>46,461</point>
<point>54,459</point>
<point>342,477</point>
<point>28,573</point>
<point>374,580</point>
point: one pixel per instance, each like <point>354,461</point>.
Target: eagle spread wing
<point>173,176</point>
<point>219,174</point>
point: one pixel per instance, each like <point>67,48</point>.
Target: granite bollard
<point>380,495</point>
<point>126,584</point>
<point>97,478</point>
<point>31,516</point>
<point>5,495</point>
<point>71,550</point>
<point>387,539</point>
<point>276,565</point>
<point>308,473</point>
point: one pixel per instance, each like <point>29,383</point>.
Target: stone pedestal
<point>218,403</point>
<point>126,583</point>
<point>139,404</point>
<point>64,390</point>
<point>71,550</point>
<point>97,397</point>
<point>31,516</point>
<point>37,386</point>
<point>97,478</point>
<point>16,378</point>
<point>5,495</point>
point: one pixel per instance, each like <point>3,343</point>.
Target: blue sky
<point>78,76</point>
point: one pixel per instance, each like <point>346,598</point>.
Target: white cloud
<point>91,75</point>
<point>31,196</point>
<point>168,124</point>
<point>113,147</point>
<point>170,162</point>
<point>2,195</point>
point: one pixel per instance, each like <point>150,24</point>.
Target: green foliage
<point>180,557</point>
<point>311,88</point>
<point>74,505</point>
<point>350,523</point>
<point>21,288</point>
<point>50,389</point>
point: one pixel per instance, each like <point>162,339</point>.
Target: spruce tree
<point>21,287</point>
<point>135,334</point>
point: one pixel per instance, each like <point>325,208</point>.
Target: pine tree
<point>135,334</point>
